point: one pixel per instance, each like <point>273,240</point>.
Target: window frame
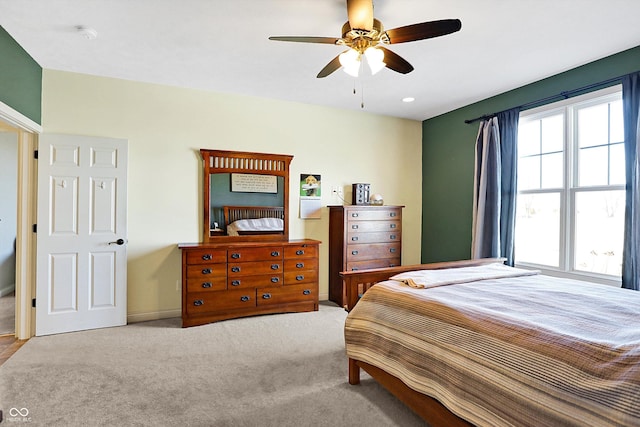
<point>569,108</point>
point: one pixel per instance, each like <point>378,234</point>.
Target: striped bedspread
<point>517,351</point>
<point>256,224</point>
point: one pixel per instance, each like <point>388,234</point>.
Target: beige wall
<point>166,126</point>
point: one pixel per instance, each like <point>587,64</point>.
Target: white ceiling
<point>223,46</point>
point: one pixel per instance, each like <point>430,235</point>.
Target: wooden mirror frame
<point>221,161</point>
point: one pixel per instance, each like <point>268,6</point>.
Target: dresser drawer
<point>300,264</point>
<point>373,226</point>
<point>301,251</point>
<point>256,281</point>
<point>376,214</point>
<point>373,263</point>
<point>202,256</point>
<point>286,295</point>
<point>303,276</point>
<point>235,269</point>
<point>208,271</point>
<point>378,237</point>
<point>206,302</point>
<point>372,251</point>
<point>207,284</point>
<point>255,254</point>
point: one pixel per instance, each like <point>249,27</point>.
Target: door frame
<point>28,132</point>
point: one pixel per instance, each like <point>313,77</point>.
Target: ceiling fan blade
<point>360,13</point>
<point>423,30</point>
<point>330,67</point>
<point>395,62</point>
<point>305,39</point>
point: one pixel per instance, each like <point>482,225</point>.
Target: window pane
<point>599,226</point>
<point>552,134</point>
<point>537,238</point>
<point>529,173</point>
<point>593,168</point>
<point>593,126</point>
<point>529,138</point>
<point>616,133</point>
<point>552,170</point>
<point>617,168</point>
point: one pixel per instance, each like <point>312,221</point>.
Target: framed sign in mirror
<point>246,196</point>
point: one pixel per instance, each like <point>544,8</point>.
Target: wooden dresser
<point>228,280</point>
<point>362,237</point>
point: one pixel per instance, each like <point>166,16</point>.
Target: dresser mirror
<point>246,196</point>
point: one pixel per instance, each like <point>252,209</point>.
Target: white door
<point>81,268</point>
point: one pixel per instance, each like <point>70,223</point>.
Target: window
<point>571,179</point>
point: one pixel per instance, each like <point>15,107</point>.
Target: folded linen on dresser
<point>424,279</point>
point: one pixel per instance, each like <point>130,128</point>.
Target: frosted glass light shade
<point>375,59</point>
<point>350,61</point>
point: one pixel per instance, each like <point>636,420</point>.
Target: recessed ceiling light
<point>408,99</point>
<point>87,32</point>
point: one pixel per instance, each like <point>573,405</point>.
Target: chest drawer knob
<point>206,285</point>
<point>392,237</point>
<point>392,265</point>
<point>392,225</point>
<point>354,227</point>
<point>275,266</point>
<point>354,215</point>
<point>245,298</point>
<point>235,269</point>
<point>198,302</point>
<point>299,252</point>
<point>299,277</point>
<point>207,257</point>
<point>235,283</point>
<point>206,271</point>
<point>392,250</point>
<point>306,292</point>
<point>275,279</point>
<point>235,255</point>
<point>392,214</point>
<point>354,269</point>
<point>266,296</point>
<point>275,253</point>
<point>300,265</point>
<point>354,252</point>
<point>354,239</point>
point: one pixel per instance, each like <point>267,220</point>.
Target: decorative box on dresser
<point>362,237</point>
<point>228,280</point>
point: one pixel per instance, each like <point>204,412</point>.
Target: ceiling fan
<point>365,35</point>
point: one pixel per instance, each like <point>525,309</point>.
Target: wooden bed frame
<point>428,408</point>
<point>235,213</point>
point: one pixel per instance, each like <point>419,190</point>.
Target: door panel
<point>81,263</point>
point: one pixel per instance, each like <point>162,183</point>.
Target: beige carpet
<point>277,370</point>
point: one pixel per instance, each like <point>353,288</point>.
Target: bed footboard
<point>358,282</point>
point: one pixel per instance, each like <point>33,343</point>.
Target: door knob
<point>118,242</point>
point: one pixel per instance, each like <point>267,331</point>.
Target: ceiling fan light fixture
<point>375,59</point>
<point>350,61</point>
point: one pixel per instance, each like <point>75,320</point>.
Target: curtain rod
<point>566,94</point>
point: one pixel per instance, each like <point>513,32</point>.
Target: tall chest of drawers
<point>225,281</point>
<point>362,237</point>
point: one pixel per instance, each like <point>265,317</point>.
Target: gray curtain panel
<point>495,187</point>
<point>631,249</point>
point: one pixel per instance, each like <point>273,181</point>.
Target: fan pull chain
<point>361,95</point>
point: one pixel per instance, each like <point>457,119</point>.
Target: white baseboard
<point>7,290</point>
<point>154,315</point>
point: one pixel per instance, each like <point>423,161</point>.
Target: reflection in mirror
<point>246,196</point>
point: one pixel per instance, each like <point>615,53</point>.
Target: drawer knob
<point>207,285</point>
<point>235,269</point>
<point>391,265</point>
<point>354,269</point>
<point>299,252</point>
<point>392,250</point>
<point>300,265</point>
<point>207,257</point>
<point>354,227</point>
<point>299,277</point>
<point>354,252</point>
<point>206,271</point>
<point>198,302</point>
<point>275,266</point>
<point>354,215</point>
<point>275,279</point>
<point>266,296</point>
<point>392,214</point>
<point>392,237</point>
<point>235,255</point>
<point>306,292</point>
<point>354,239</point>
<point>275,253</point>
<point>392,225</point>
<point>235,283</point>
<point>245,298</point>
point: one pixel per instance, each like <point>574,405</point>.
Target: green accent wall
<point>448,154</point>
<point>20,79</point>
